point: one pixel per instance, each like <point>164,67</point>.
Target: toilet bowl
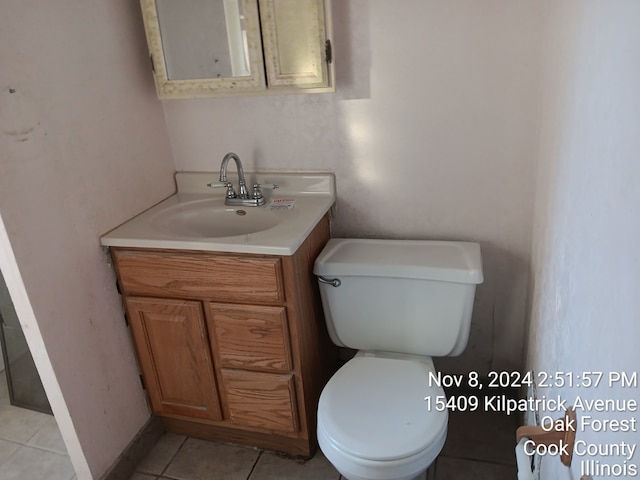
<point>374,422</point>
<point>398,302</point>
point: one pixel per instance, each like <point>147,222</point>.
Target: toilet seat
<point>373,409</point>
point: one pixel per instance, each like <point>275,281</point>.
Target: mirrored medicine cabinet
<point>210,48</point>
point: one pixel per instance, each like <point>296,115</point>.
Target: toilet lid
<point>374,408</point>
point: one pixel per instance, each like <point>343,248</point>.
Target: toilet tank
<point>405,296</point>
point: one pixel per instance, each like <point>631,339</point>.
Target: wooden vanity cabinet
<point>232,347</point>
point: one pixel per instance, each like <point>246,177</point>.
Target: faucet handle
<point>231,193</point>
<point>257,193</point>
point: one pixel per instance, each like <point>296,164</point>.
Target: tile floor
<point>479,446</point>
<point>30,444</point>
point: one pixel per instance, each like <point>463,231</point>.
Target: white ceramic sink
<point>207,218</point>
<point>196,218</point>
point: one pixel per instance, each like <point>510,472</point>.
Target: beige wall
<point>432,133</point>
<point>586,267</point>
<point>83,147</point>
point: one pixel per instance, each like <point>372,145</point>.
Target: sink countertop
<point>314,195</point>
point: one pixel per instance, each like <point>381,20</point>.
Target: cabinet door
<point>204,48</point>
<point>173,349</point>
<point>294,35</point>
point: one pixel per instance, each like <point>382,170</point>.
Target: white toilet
<point>398,302</point>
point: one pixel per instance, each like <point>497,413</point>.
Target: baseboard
<point>124,467</point>
<point>302,447</point>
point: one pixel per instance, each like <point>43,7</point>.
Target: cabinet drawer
<point>251,337</point>
<point>228,278</point>
<point>261,400</point>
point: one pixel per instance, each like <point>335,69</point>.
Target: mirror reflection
<point>203,38</point>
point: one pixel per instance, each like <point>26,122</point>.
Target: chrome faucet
<point>244,193</point>
<point>243,198</point>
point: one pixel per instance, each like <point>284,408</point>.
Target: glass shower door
<point>25,387</point>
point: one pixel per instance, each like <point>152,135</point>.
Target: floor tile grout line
<point>34,447</point>
<point>7,459</point>
<point>23,447</point>
<point>36,432</point>
<point>27,444</point>
<point>13,441</point>
<point>48,450</point>
<point>492,462</point>
<point>255,464</point>
<point>173,457</point>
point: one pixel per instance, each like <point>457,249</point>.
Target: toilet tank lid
<point>458,262</point>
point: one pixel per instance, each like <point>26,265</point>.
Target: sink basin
<point>208,219</point>
<point>196,218</point>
